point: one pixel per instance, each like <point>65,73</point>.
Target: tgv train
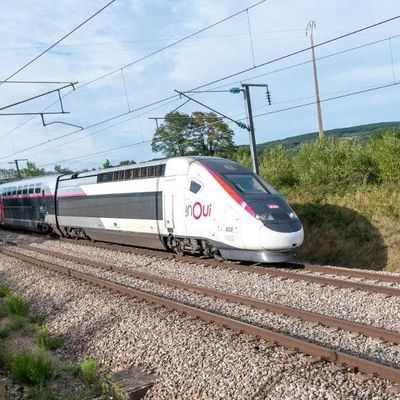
<point>200,205</point>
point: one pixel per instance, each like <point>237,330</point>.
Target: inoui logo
<point>198,210</point>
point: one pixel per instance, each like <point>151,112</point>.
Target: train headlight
<point>293,215</point>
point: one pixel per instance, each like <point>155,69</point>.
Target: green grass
<point>4,290</point>
<point>356,227</point>
<point>40,393</point>
<point>46,341</point>
<point>31,369</point>
<point>16,305</point>
<point>86,370</point>
<point>4,331</point>
<point>16,323</point>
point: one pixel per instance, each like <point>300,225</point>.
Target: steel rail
<point>375,276</point>
<point>389,291</point>
<point>367,330</point>
<point>341,358</point>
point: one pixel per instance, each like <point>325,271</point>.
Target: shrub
<point>385,151</point>
<point>87,370</point>
<point>4,331</point>
<point>4,290</point>
<point>277,168</point>
<point>243,157</point>
<point>31,369</point>
<point>17,322</point>
<point>334,162</point>
<point>45,341</point>
<point>16,305</point>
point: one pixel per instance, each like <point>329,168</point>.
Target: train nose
<point>280,240</point>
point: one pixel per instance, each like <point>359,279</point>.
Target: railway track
<point>282,272</point>
<point>367,330</point>
<point>316,350</point>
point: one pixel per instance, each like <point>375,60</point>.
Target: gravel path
<point>192,360</point>
<point>368,308</point>
<point>370,348</point>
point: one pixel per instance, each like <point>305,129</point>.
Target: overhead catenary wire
<point>384,86</point>
<point>252,77</point>
<point>334,54</point>
<point>91,134</point>
<point>97,153</point>
<point>147,56</point>
<point>332,98</point>
<point>174,43</point>
<point>216,80</point>
<point>57,42</point>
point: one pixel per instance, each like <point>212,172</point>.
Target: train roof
<point>35,179</point>
<point>144,164</point>
<point>210,161</point>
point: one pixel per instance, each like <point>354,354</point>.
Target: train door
<point>1,210</point>
<point>169,204</point>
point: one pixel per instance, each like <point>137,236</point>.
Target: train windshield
<point>246,183</point>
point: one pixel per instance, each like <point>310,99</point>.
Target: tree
<point>32,170</point>
<point>107,164</point>
<point>127,162</point>
<point>211,136</point>
<point>172,138</point>
<point>242,156</point>
<point>197,134</point>
<point>61,170</point>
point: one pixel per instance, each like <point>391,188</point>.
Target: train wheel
<point>217,256</point>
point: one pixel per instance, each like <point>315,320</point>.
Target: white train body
<point>199,205</point>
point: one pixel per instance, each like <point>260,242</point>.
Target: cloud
<point>128,30</point>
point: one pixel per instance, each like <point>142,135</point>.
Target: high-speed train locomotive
<point>199,205</point>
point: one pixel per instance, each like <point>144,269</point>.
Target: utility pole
<point>16,164</point>
<point>310,27</point>
<point>252,138</point>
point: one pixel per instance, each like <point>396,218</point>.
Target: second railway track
<point>367,330</point>
<point>352,361</point>
<point>284,273</point>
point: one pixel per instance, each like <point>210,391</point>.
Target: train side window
<point>194,187</point>
<point>37,189</point>
<point>19,191</point>
<point>14,190</point>
<point>25,189</point>
<point>31,189</point>
<point>9,191</point>
<point>128,174</point>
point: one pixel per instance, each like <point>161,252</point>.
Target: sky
<point>129,30</point>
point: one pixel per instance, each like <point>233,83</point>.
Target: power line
<point>173,43</point>
<point>330,99</point>
<point>211,82</point>
<point>145,57</point>
<point>37,82</point>
<point>97,153</point>
<point>241,119</point>
<point>103,129</point>
<point>248,78</point>
<point>337,53</point>
<point>166,39</point>
<point>58,41</point>
<point>297,52</point>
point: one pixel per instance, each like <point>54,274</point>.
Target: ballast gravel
<point>340,340</point>
<point>192,360</point>
<point>368,308</point>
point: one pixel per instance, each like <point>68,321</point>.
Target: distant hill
<point>361,132</point>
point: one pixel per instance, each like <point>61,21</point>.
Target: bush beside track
<point>347,194</point>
